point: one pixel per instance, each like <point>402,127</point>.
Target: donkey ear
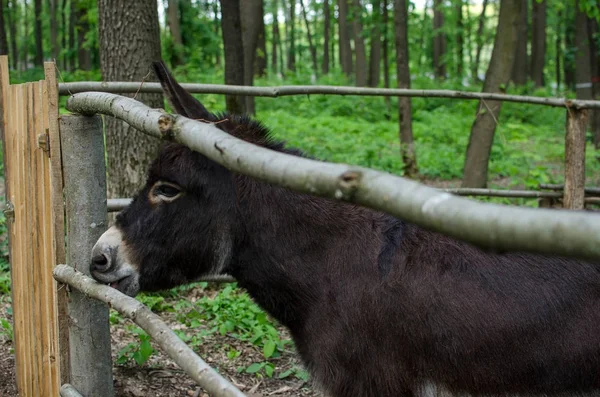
<point>181,100</point>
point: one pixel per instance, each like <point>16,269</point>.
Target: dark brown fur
<point>377,306</point>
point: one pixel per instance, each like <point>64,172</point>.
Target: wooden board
<point>36,231</point>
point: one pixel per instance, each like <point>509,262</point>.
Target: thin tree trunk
<point>386,55</point>
<point>344,35</point>
<point>11,16</point>
<point>375,53</point>
<point>439,41</point>
<point>65,32</point>
<point>250,14</point>
<point>233,48</point>
<point>72,59</point>
<point>569,62</point>
<point>275,41</point>
<point>37,27</point>
<point>260,63</point>
<point>519,72</point>
<point>460,39</point>
<point>129,39</point>
<point>3,39</point>
<point>479,40</point>
<point>24,52</point>
<point>468,35</point>
<point>359,45</point>
<point>53,29</point>
<point>538,42</point>
<point>313,50</point>
<point>291,65</point>
<point>422,32</point>
<point>557,49</point>
<point>407,147</point>
<point>496,79</point>
<point>84,56</point>
<point>593,31</point>
<point>217,27</point>
<point>326,28</point>
<point>173,20</point>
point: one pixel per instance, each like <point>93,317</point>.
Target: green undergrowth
<point>227,312</point>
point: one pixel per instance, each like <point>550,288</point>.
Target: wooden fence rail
<point>123,87</point>
<point>494,226</point>
<point>576,111</point>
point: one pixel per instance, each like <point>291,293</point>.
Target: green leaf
<point>269,348</point>
<point>269,368</point>
<point>254,368</point>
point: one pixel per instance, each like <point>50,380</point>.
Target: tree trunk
<point>519,72</point>
<point>53,30</point>
<point>72,61</point>
<point>558,49</point>
<point>65,32</point>
<point>375,53</point>
<point>326,28</point>
<point>250,14</point>
<point>460,40</point>
<point>82,26</point>
<point>24,49</point>
<point>313,50</point>
<point>37,27</point>
<point>291,22</point>
<point>593,31</point>
<point>583,73</point>
<point>173,20</point>
<point>479,40</point>
<point>217,28</point>
<point>344,35</point>
<point>386,55</point>
<point>422,31</point>
<point>496,79</point>
<point>538,42</point>
<point>275,40</point>
<point>233,48</point>
<point>260,62</point>
<point>129,39</point>
<point>439,41</point>
<point>3,40</point>
<point>569,62</point>
<point>359,45</point>
<point>11,16</point>
<point>407,146</point>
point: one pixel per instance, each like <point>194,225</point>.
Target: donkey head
<point>180,225</point>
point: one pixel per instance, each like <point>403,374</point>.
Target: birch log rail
<point>275,92</point>
<point>494,226</point>
<point>179,352</point>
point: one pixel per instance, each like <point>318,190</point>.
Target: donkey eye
<point>166,190</point>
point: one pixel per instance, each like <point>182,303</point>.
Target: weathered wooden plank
<point>58,220</point>
<point>574,192</point>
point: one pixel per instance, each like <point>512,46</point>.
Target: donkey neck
<point>288,242</point>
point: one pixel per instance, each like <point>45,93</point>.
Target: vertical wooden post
<point>575,159</point>
<point>85,194</point>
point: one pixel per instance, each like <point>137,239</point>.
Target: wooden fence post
<point>574,192</point>
<point>85,194</point>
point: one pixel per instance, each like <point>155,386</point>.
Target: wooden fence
<point>576,117</point>
<point>61,335</point>
<point>33,179</point>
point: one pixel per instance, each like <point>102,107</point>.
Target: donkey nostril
<point>100,263</point>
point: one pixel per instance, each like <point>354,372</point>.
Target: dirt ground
<point>161,377</point>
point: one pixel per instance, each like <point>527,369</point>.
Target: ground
<point>160,377</point>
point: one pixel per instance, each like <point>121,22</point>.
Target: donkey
<point>376,306</point>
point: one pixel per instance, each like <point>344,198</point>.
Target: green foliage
<point>139,352</point>
<point>232,312</point>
